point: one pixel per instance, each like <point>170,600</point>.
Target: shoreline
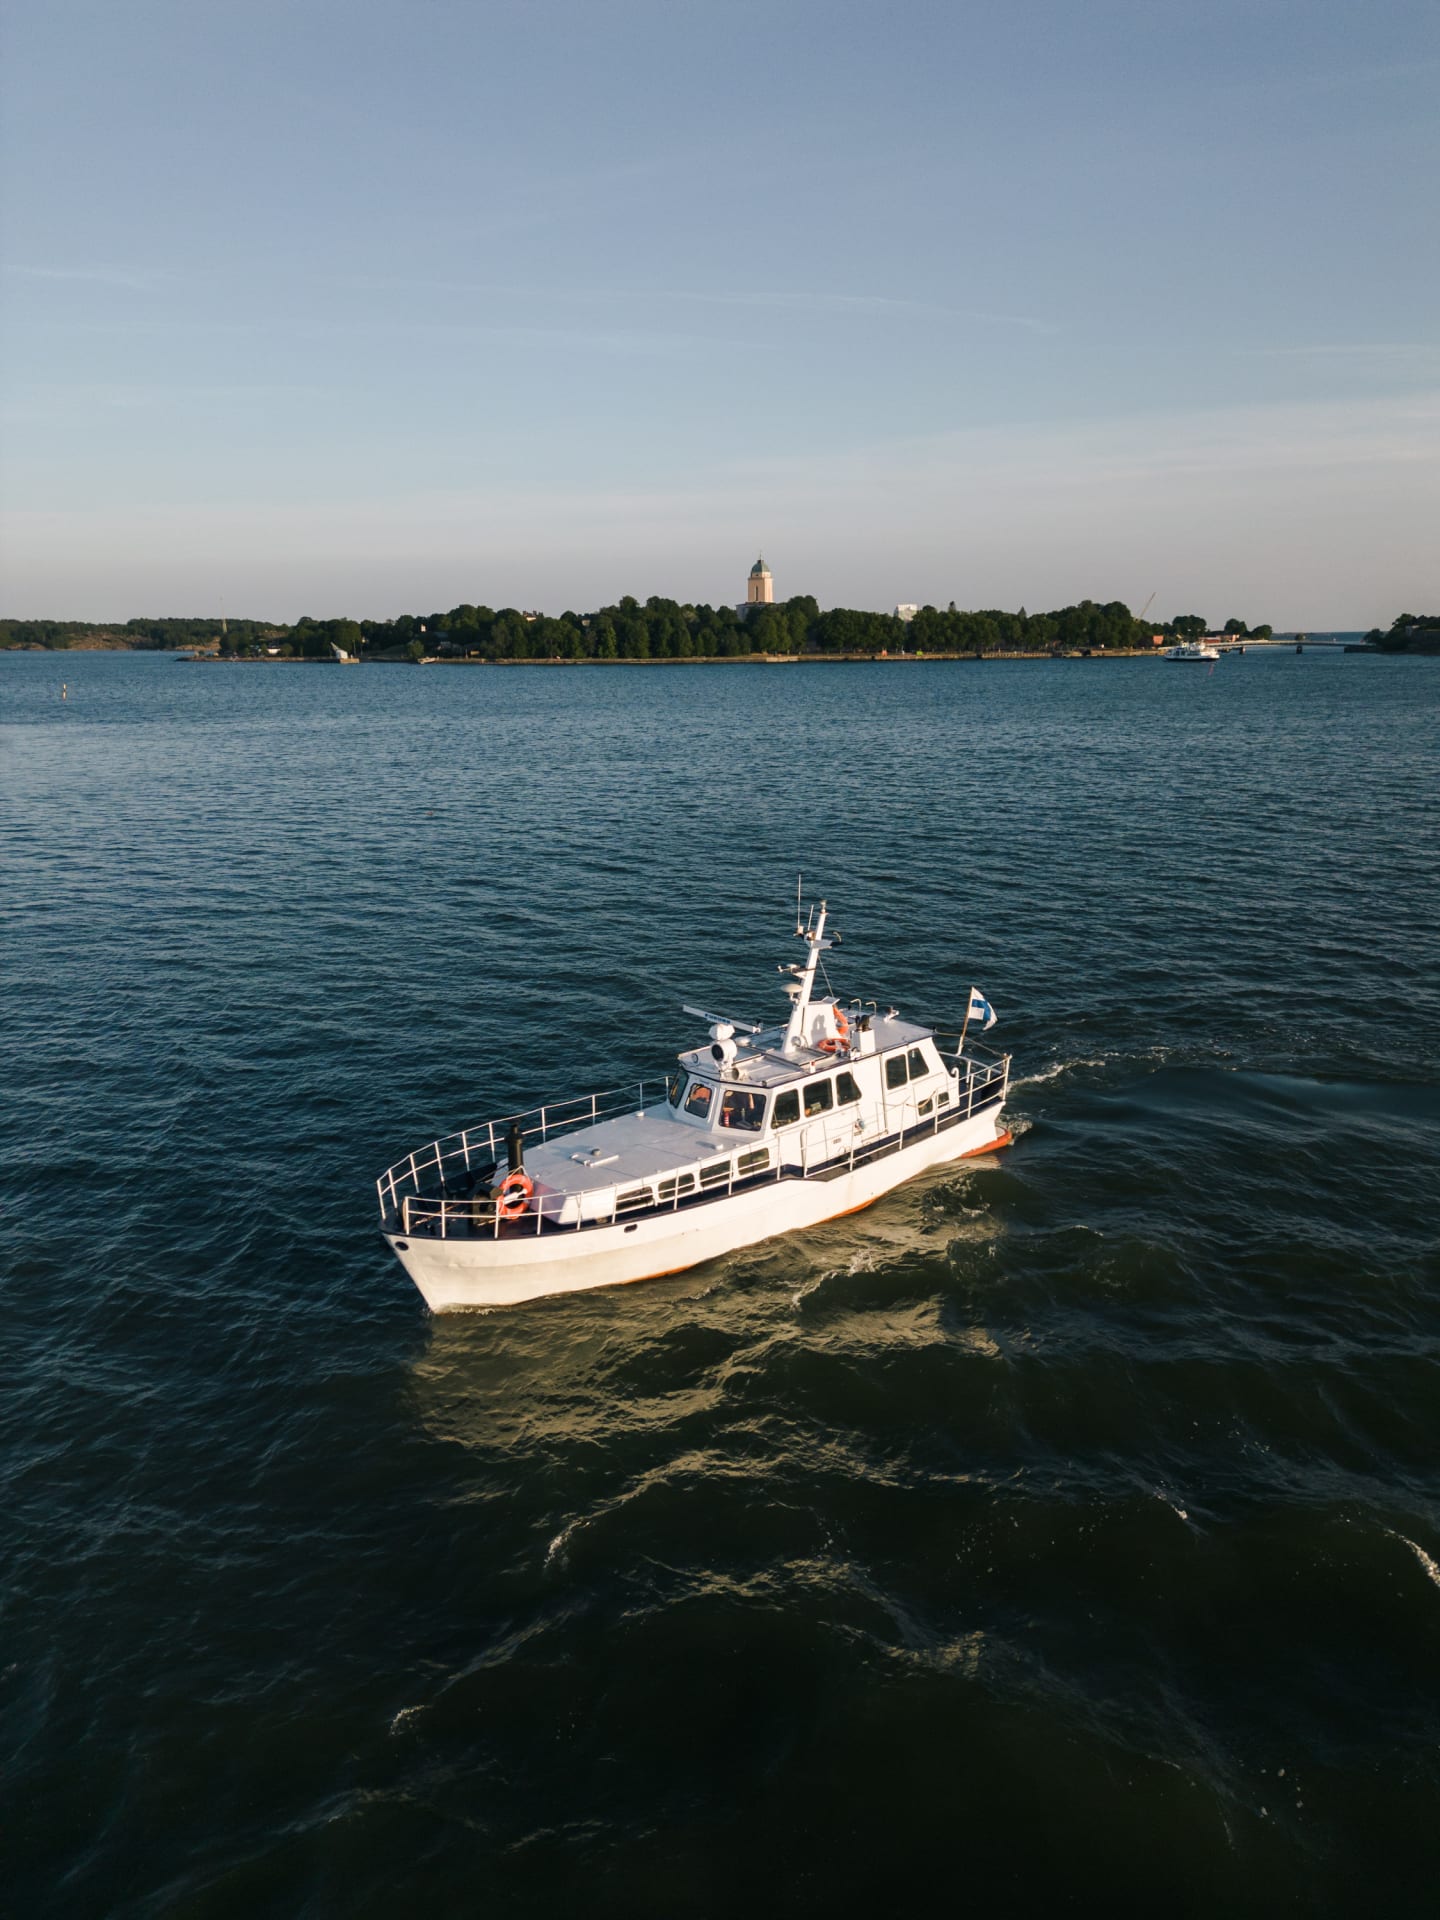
<point>690,660</point>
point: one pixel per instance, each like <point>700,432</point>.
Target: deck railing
<point>413,1198</point>
<point>429,1169</point>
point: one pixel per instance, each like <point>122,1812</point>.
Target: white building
<point>906,611</point>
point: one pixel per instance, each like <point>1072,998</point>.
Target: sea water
<point>1063,1531</point>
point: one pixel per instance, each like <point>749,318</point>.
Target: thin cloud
<point>860,303</point>
<point>773,300</point>
<point>1348,350</point>
<point>95,276</point>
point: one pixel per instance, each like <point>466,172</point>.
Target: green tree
<point>415,651</point>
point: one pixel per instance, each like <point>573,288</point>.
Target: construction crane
<point>1146,608</point>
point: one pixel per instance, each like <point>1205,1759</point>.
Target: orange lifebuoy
<point>514,1194</point>
<point>841,1042</point>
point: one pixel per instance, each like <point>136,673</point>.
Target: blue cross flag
<point>980,1009</point>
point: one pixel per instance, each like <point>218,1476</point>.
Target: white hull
<point>502,1272</point>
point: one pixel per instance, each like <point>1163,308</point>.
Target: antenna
<point>723,1020</point>
<point>798,928</point>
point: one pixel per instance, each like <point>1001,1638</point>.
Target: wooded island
<point>655,629</point>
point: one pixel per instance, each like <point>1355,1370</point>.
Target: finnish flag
<point>980,1009</point>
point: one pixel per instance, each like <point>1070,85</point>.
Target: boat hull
<point>502,1272</point>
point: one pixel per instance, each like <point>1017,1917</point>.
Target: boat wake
<point>1054,1072</point>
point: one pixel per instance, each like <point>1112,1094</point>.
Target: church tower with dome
<point>759,590</point>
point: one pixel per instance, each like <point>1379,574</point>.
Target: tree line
<point>1421,629</point>
<point>657,629</point>
<point>143,635</point>
<point>661,629</point>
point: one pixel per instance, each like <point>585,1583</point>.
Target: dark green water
<point>1062,1533</point>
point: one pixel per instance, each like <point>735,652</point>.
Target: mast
<point>813,934</point>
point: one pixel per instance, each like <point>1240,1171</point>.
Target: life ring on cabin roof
<point>842,1034</point>
<point>514,1195</point>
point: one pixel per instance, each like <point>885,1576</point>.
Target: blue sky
<point>370,307</point>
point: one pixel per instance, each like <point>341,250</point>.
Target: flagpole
<point>965,1023</point>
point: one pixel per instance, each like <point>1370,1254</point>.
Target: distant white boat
<point>345,659</point>
<point>1191,650</point>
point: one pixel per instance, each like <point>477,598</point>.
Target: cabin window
<point>674,1088</point>
<point>847,1092</point>
<point>743,1110</point>
<point>943,1099</point>
<point>681,1183</point>
<point>819,1097</point>
<point>715,1173</point>
<point>895,1074</point>
<point>926,1106</point>
<point>918,1068</point>
<point>635,1198</point>
<point>753,1161</point>
<point>697,1101</point>
<point>787,1109</point>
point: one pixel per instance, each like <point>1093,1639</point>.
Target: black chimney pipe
<point>515,1148</point>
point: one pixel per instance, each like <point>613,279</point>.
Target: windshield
<point>744,1111</point>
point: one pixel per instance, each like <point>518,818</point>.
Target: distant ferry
<point>761,1131</point>
<point>1191,650</point>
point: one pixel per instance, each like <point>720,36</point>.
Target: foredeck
<point>636,1146</point>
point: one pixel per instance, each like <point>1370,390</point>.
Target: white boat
<point>760,1131</point>
<point>1191,650</point>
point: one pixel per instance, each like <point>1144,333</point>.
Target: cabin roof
<point>766,1067</point>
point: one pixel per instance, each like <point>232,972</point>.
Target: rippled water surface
<point>1062,1532</point>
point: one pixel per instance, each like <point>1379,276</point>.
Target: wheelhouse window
<point>847,1092</point>
<point>743,1110</point>
<point>819,1097</point>
<point>787,1109</point>
<point>918,1068</point>
<point>895,1071</point>
<point>699,1100</point>
<point>675,1088</point>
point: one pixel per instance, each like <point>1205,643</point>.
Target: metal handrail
<point>435,1213</point>
<point>484,1142</point>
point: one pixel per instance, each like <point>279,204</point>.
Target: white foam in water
<point>556,1549</point>
<point>1420,1554</point>
<point>1052,1073</point>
